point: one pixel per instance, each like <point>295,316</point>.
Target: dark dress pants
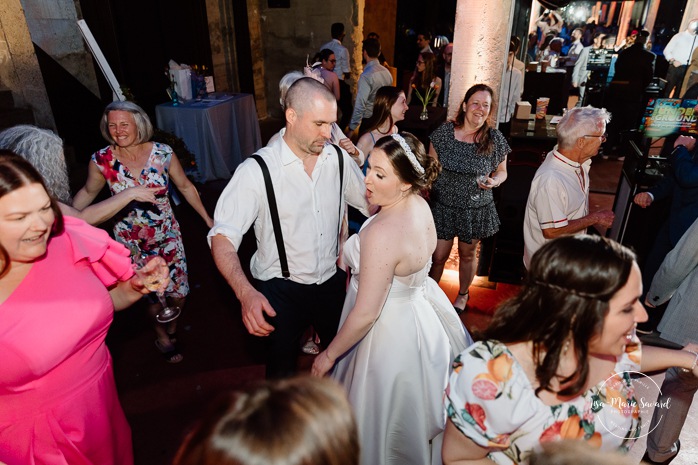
<point>674,79</point>
<point>297,307</point>
<point>660,248</point>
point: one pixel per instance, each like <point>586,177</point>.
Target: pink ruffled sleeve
<point>109,260</point>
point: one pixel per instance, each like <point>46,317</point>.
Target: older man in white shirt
<point>297,282</point>
<point>558,203</point>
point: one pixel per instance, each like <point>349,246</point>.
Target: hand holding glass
<point>480,180</point>
<point>156,277</point>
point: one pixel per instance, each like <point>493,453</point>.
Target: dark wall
<point>414,17</point>
<point>139,37</point>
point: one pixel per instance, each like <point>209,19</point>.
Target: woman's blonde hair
<point>143,124</point>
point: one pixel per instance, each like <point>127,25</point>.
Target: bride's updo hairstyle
<point>411,162</point>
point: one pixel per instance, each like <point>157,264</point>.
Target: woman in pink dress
<point>60,282</point>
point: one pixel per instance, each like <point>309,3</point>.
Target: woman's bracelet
<point>695,361</point>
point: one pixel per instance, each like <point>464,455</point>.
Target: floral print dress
<point>144,227</point>
<point>491,401</point>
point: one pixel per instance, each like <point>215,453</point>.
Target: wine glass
<point>479,179</point>
<point>153,278</point>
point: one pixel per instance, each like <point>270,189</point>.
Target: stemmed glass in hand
<point>155,279</point>
<point>480,180</point>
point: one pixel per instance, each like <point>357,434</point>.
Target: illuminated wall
<point>480,47</point>
<point>690,12</point>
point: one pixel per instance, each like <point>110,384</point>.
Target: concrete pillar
<point>611,13</point>
<point>53,28</point>
<point>223,51</point>
<point>690,13</point>
<point>480,48</point>
<point>354,42</point>
<point>626,13</point>
<point>19,68</point>
<point>652,15</point>
<point>596,13</point>
<point>258,65</point>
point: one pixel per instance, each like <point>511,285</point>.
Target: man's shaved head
<point>304,92</point>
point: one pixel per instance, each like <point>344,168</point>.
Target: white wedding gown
<point>396,375</point>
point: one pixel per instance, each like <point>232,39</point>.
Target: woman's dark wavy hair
<point>16,172</point>
<point>403,167</point>
<point>565,294</point>
<point>295,421</point>
<point>386,97</point>
<point>482,138</point>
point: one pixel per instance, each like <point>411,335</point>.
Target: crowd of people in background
<point>408,383</point>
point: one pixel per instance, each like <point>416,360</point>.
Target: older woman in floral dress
<point>145,228</point>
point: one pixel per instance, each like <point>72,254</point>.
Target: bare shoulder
<point>364,139</point>
<point>407,234</point>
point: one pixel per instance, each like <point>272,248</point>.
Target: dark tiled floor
<point>161,400</point>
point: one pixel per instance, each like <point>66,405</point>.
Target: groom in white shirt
<point>304,172</point>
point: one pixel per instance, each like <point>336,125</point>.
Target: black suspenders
<point>274,211</point>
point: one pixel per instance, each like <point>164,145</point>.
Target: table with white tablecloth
<point>221,131</point>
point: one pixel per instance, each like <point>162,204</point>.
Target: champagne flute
<point>153,279</point>
<point>479,179</point>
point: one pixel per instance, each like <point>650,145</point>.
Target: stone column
<point>19,68</point>
<point>611,13</point>
<point>596,12</point>
<point>626,14</point>
<point>480,48</point>
<point>652,15</point>
<point>690,13</point>
<point>223,50</point>
<point>254,20</point>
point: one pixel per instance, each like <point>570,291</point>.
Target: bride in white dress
<point>399,332</point>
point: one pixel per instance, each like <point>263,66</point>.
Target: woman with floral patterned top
<point>145,228</point>
<point>556,361</point>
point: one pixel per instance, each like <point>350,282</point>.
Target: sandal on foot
<point>466,294</point>
<point>310,347</point>
<point>170,353</point>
